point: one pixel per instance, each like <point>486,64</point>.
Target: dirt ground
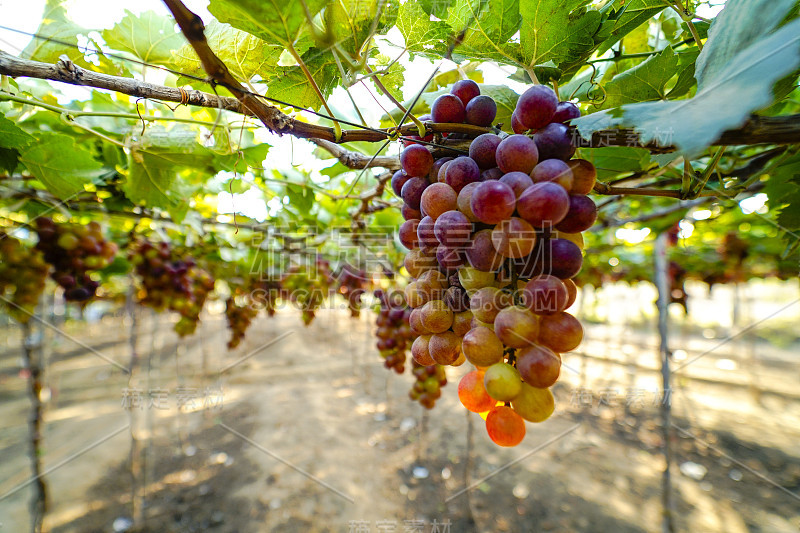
<point>303,430</point>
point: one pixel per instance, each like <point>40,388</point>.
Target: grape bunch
<point>393,332</point>
<point>239,316</point>
<point>171,280</point>
<point>428,386</point>
<point>495,240</point>
<point>353,283</point>
<point>74,250</point>
<point>307,286</point>
<point>23,272</point>
<point>265,294</point>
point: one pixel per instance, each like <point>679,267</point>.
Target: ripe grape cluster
<point>494,240</point>
<point>353,283</point>
<point>307,286</point>
<point>74,250</point>
<point>171,280</point>
<point>393,332</point>
<point>428,386</point>
<point>23,272</point>
<point>239,316</point>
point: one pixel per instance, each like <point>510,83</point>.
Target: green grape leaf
<point>350,23</point>
<point>723,102</point>
<point>611,161</point>
<point>11,136</point>
<point>685,81</point>
<point>244,54</point>
<point>152,179</point>
<point>646,81</point>
<point>9,159</point>
<point>150,37</point>
<point>276,22</point>
<point>437,8</point>
<point>557,30</point>
<point>394,77</point>
<point>420,32</point>
<point>291,85</point>
<point>783,190</point>
<point>490,24</point>
<point>741,24</point>
<point>63,32</point>
<point>61,165</point>
<point>636,13</point>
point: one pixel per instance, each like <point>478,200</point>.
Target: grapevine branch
<point>758,130</point>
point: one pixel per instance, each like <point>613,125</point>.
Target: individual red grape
<point>472,393</point>
<point>517,152</point>
<point>581,215</point>
<point>481,254</point>
<point>584,176</point>
<point>418,261</point>
<point>445,347</point>
<point>481,111</point>
<point>483,149</point>
<point>425,233</point>
<point>408,233</point>
<point>545,295</point>
<point>487,302</point>
<point>554,142</point>
<point>412,192</point>
<point>453,229</point>
<point>416,160</point>
<point>538,365</point>
<point>516,326</point>
<point>436,316</point>
<point>461,171</point>
<point>399,179</point>
<point>518,181</point>
<point>464,198</point>
<point>493,201</point>
<point>438,198</point>
<point>572,292</point>
<point>516,125</point>
<point>420,351</point>
<point>536,107</point>
<point>560,332</point>
<point>448,108</point>
<point>504,426</point>
<point>553,170</point>
<point>563,258</point>
<point>433,176</point>
<point>543,204</point>
<point>465,90</point>
<point>514,237</point>
<point>482,347</point>
<point>409,212</point>
<point>566,111</point>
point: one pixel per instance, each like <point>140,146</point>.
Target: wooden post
<point>39,501</point>
<point>663,285</point>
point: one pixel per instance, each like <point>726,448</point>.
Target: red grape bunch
<point>74,250</point>
<point>393,332</point>
<point>171,280</point>
<point>307,286</point>
<point>495,240</point>
<point>23,272</point>
<point>239,316</point>
<point>428,386</point>
<point>353,283</point>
